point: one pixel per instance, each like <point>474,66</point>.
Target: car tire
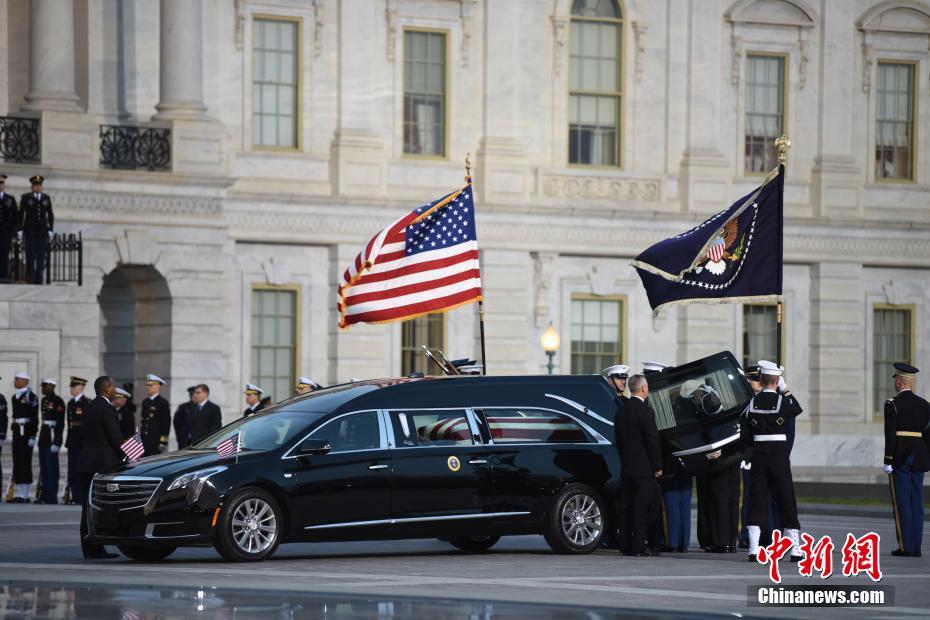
<point>576,520</point>
<point>250,526</point>
<point>474,544</point>
<point>145,554</point>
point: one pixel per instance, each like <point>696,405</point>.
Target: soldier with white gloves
<point>24,426</point>
<point>51,436</point>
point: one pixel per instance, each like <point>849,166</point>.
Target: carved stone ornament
<point>319,20</point>
<point>868,60</point>
<point>240,23</point>
<point>639,40</point>
<point>559,30</point>
<point>736,43</point>
<point>803,58</point>
<point>565,186</point>
<point>391,16</point>
<point>542,280</point>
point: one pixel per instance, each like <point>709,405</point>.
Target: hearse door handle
<point>373,467</point>
<point>478,462</point>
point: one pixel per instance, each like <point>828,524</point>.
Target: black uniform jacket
<point>253,410</point>
<point>9,215</point>
<point>204,421</point>
<point>906,418</point>
<point>36,217</point>
<point>127,422</point>
<point>53,421</point>
<point>769,413</point>
<point>154,423</point>
<point>182,424</point>
<point>4,418</point>
<point>25,407</point>
<point>102,438</point>
<point>75,439</point>
<point>637,439</point>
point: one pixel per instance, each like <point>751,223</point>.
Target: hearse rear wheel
<point>145,554</point>
<point>250,526</point>
<point>474,544</point>
<point>576,520</point>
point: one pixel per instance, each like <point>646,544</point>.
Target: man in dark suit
<point>37,222</point>
<point>101,454</point>
<point>182,417</point>
<point>205,417</point>
<point>637,439</point>
<point>154,417</point>
<point>907,458</point>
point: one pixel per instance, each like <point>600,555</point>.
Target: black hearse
<point>465,459</point>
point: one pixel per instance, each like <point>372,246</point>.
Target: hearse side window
<point>431,427</point>
<point>533,426</point>
<point>356,431</point>
<point>698,396</point>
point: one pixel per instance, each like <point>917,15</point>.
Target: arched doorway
<point>135,325</point>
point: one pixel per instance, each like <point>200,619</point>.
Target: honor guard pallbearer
<point>305,385</point>
<point>9,224</point>
<point>4,425</point>
<point>253,398</point>
<point>37,222</point>
<point>51,435</point>
<point>74,442</point>
<point>155,417</point>
<point>24,427</point>
<point>907,417</point>
<point>127,421</point>
<point>764,423</point>
<point>617,377</point>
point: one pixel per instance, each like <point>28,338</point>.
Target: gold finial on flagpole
<point>782,144</point>
<point>468,167</point>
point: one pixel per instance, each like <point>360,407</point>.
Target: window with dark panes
<point>894,121</point>
<point>596,334</point>
<point>760,333</point>
<point>356,431</point>
<point>274,341</point>
<point>424,93</point>
<point>765,110</point>
<point>533,426</point>
<point>428,330</point>
<point>595,83</point>
<point>892,341</point>
<point>275,50</point>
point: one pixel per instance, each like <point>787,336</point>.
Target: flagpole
<point>484,360</point>
<point>782,144</point>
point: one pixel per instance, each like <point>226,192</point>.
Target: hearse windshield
<point>701,394</point>
<point>265,431</point>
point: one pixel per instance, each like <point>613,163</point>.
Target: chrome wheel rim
<point>581,520</point>
<point>254,525</point>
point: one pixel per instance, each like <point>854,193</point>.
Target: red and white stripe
<point>384,284</point>
<point>133,448</point>
<point>229,446</point>
<point>715,251</point>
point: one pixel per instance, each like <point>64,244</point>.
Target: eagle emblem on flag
<point>721,249</point>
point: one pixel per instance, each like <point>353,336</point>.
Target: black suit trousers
<point>84,482</point>
<point>638,506</point>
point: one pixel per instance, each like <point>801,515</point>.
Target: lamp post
<point>550,341</point>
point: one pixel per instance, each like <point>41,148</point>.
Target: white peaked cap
<point>302,380</point>
<point>655,366</point>
<point>155,378</point>
<point>48,381</point>
<point>618,369</point>
<point>770,368</point>
<point>253,389</point>
<point>121,392</point>
<point>22,374</point>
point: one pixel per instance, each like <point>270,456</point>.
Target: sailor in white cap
<point>617,377</point>
<point>154,417</point>
<point>253,398</point>
<point>764,422</point>
<point>305,385</point>
<point>4,424</point>
<point>24,426</point>
<point>51,436</point>
<point>652,368</point>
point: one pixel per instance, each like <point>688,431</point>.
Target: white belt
<point>21,420</point>
<point>771,437</point>
<point>51,423</point>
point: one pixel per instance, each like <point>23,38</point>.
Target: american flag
<point>426,261</point>
<point>229,446</point>
<point>133,448</point>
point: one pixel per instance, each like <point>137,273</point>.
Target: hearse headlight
<point>194,481</point>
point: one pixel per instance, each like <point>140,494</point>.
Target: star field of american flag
<point>446,226</point>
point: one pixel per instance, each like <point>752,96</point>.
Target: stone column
<point>51,56</point>
<point>180,60</point>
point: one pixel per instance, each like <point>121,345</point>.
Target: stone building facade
<point>296,128</point>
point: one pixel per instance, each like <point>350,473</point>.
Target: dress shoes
<point>682,550</point>
<point>900,553</point>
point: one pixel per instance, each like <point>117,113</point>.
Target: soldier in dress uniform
<point>4,425</point>
<point>617,377</point>
<point>75,440</point>
<point>51,436</point>
<point>253,398</point>
<point>25,426</point>
<point>9,223</point>
<point>305,385</point>
<point>764,423</point>
<point>37,222</point>
<point>754,378</point>
<point>127,421</point>
<point>154,417</point>
<point>907,417</point>
<point>182,415</point>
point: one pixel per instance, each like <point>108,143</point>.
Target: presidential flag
<point>229,446</point>
<point>735,256</point>
<point>133,448</point>
<point>425,261</point>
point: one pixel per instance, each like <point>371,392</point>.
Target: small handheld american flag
<point>133,448</point>
<point>229,446</point>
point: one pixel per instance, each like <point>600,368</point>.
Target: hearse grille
<point>123,493</point>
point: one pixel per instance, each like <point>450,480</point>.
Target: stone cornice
<point>77,205</point>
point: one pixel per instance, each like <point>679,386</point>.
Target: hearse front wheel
<point>575,523</point>
<point>250,526</point>
<point>474,544</point>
